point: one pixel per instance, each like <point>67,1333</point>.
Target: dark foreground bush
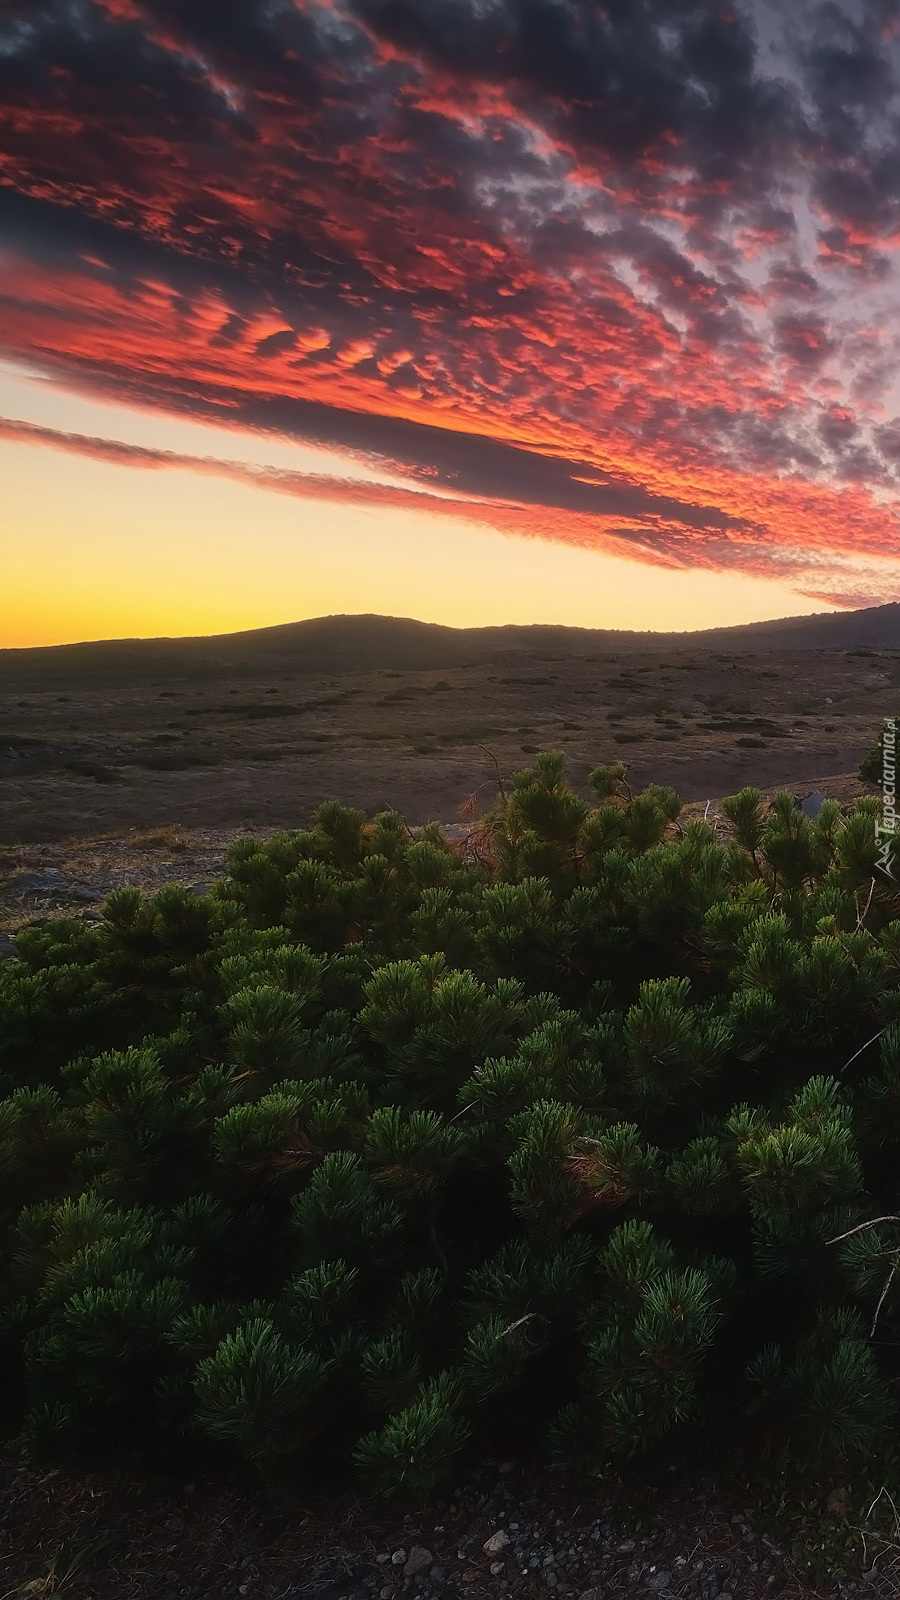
<point>385,1150</point>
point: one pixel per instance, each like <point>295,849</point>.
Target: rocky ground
<point>100,757</point>
<point>505,1533</point>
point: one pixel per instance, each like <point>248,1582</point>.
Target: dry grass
<point>169,837</point>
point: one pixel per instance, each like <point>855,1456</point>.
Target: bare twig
<point>884,1295</point>
<point>528,1317</point>
<point>860,1228</point>
<point>865,911</point>
<point>863,1047</point>
<point>500,784</point>
<point>462,1113</point>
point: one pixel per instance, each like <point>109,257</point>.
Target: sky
<point>472,310</point>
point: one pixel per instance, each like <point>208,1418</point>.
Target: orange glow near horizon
<point>99,551</point>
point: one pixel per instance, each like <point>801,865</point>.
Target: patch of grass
<point>263,711</point>
<point>627,738</point>
<point>745,725</point>
<point>169,837</point>
<point>179,760</point>
<point>98,770</point>
<point>751,744</point>
<point>528,680</point>
<point>474,735</point>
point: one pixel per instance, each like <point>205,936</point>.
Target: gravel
<point>506,1532</point>
<point>508,1536</point>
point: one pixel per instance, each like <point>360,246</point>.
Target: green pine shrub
<point>386,1148</point>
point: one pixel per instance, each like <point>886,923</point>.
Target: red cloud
<point>569,253</point>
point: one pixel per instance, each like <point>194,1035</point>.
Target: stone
<point>418,1560</point>
<point>498,1541</point>
<point>398,1559</point>
<point>658,1580</point>
<point>497,1567</point>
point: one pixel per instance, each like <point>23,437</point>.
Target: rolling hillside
<point>360,643</point>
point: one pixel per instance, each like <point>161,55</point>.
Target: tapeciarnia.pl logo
<point>886,829</point>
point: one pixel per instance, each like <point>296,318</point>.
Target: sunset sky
<point>470,310</point>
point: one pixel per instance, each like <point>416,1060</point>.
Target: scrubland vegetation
<point>568,1136</point>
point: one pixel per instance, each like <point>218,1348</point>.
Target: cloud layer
<point>622,274</point>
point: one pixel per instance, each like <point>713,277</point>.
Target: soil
<point>95,1538</point>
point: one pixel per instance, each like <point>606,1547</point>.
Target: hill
<point>362,643</point>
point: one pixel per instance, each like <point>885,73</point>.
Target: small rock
<point>382,1559</point>
<point>497,1567</point>
<point>626,1547</point>
<point>497,1542</point>
<point>658,1580</point>
<point>812,805</point>
<point>398,1559</point>
<point>418,1560</point>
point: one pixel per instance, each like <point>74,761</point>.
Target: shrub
<point>378,1152</point>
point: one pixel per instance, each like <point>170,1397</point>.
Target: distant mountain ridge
<point>369,641</point>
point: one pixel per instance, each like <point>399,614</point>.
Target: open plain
<point>138,761</point>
